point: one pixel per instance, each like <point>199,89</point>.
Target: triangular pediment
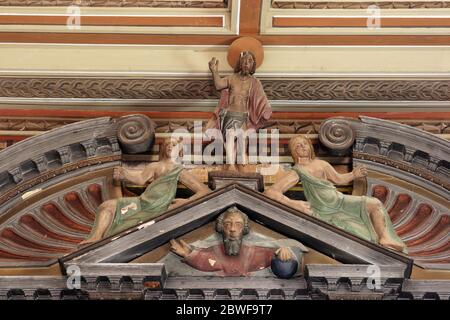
<point>276,216</point>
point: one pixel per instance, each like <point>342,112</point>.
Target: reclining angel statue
<point>362,216</point>
<point>117,215</point>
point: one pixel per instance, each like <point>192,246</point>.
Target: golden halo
<point>245,44</point>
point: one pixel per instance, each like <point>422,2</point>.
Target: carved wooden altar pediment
<point>105,263</point>
<point>311,232</point>
<point>119,262</point>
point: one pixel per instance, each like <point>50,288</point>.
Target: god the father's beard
<point>232,246</point>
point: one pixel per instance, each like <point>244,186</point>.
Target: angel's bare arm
<point>276,191</point>
<point>139,177</point>
<point>284,184</point>
<point>191,182</point>
<point>335,177</point>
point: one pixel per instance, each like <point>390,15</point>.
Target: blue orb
<point>284,269</point>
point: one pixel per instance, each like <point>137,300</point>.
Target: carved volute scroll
<point>136,133</point>
<point>337,135</point>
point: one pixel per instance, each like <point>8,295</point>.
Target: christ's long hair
<point>293,142</point>
<point>237,68</point>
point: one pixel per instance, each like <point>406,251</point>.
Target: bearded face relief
<point>233,232</point>
<point>247,63</point>
<point>239,252</point>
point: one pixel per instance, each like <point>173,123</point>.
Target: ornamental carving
<point>360,5</point>
<point>348,90</point>
<point>116,3</point>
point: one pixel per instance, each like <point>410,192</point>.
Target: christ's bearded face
<point>233,227</point>
<point>247,63</point>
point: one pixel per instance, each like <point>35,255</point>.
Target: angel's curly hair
<point>219,220</point>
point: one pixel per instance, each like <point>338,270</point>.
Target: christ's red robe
<point>250,259</point>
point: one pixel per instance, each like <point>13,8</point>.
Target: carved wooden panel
<point>119,3</point>
<point>350,90</point>
<point>280,4</point>
<point>296,124</point>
